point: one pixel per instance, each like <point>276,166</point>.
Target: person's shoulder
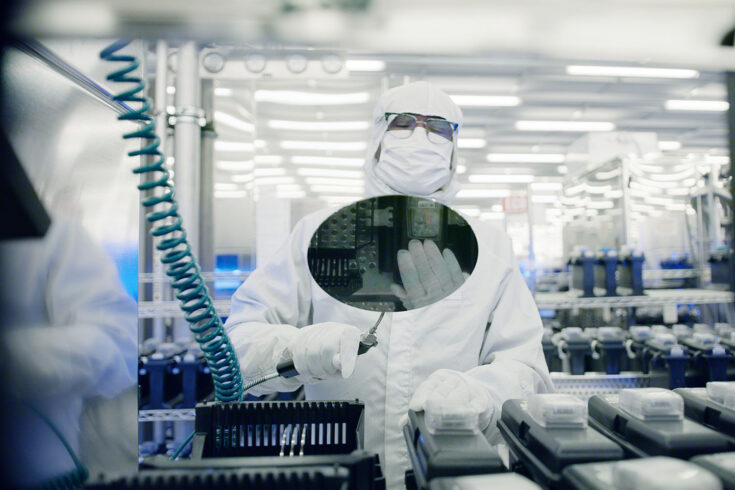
<point>492,239</point>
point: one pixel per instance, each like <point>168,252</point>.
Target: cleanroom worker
<point>479,346</point>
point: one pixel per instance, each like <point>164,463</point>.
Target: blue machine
<point>630,273</point>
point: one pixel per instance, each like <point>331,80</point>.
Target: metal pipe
<point>187,150</point>
<point>41,53</point>
<point>206,197</point>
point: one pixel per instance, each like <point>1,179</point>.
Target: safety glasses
<point>401,125</point>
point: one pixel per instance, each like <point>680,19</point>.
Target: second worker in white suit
<point>481,345</point>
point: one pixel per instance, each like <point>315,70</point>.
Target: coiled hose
<point>167,227</point>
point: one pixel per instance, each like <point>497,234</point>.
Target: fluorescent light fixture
<point>489,215</point>
<point>675,206</point>
<point>268,159</point>
<point>697,105</point>
<point>525,158</point>
<point>574,190</point>
<point>678,191</point>
<point>616,194</point>
<point>332,181</point>
<point>325,172</point>
<point>233,122</point>
<point>546,186</point>
<point>319,125</point>
<point>229,194</point>
<point>336,199</point>
<point>269,172</point>
<point>289,188</point>
<point>461,169</point>
<point>223,92</point>
<point>496,208</point>
<point>365,65</point>
<point>233,146</point>
<point>330,161</point>
<point>274,180</point>
<point>630,71</point>
<point>225,186</point>
<point>544,198</point>
<point>572,126</point>
<point>242,178</point>
<point>469,211</point>
<point>659,201</point>
<point>337,189</point>
<point>600,205</point>
<point>170,90</point>
<point>486,100</point>
<point>324,145</point>
<point>610,174</point>
<point>471,143</point>
<point>500,179</point>
<point>479,193</point>
<point>290,194</point>
<point>720,159</point>
<point>669,145</point>
<point>598,189</point>
<point>235,166</point>
<point>289,97</point>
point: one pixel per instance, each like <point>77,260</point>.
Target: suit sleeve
<point>512,363</point>
<point>89,347</point>
<point>267,310</point>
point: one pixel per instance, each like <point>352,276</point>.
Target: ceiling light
<point>675,206</point>
<point>319,125</point>
<point>469,211</point>
<point>269,172</point>
<point>546,186</point>
<point>331,161</point>
<point>486,100</point>
<point>461,169</point>
<point>324,145</point>
<point>233,122</point>
<point>235,166</point>
<point>225,186</point>
<point>573,126</point>
<point>233,146</point>
<point>268,159</point>
<point>610,174</point>
<point>600,204</point>
<point>669,145</point>
<point>630,71</point>
<point>697,105</point>
<point>722,160</point>
<point>678,191</point>
<point>242,178</point>
<point>615,194</point>
<point>491,216</point>
<point>223,92</point>
<point>332,181</point>
<point>543,198</point>
<point>229,194</point>
<point>496,208</point>
<point>290,194</point>
<point>598,189</point>
<point>471,143</point>
<point>337,189</point>
<point>475,193</point>
<point>325,172</point>
<point>289,97</point>
<point>525,158</point>
<point>500,179</point>
<point>274,180</point>
<point>365,65</point>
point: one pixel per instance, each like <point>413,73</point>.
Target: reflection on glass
<point>392,253</point>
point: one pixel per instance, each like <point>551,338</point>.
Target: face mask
<point>412,165</point>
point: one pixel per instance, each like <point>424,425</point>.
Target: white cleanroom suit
<point>488,329</point>
<point>69,336</point>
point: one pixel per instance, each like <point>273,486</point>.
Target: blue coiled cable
<point>182,267</point>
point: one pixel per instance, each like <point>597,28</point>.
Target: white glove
<point>324,350</point>
<point>447,384</point>
<point>427,274</point>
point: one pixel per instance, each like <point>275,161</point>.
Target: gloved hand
<point>427,274</point>
<point>324,350</point>
<point>447,384</point>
